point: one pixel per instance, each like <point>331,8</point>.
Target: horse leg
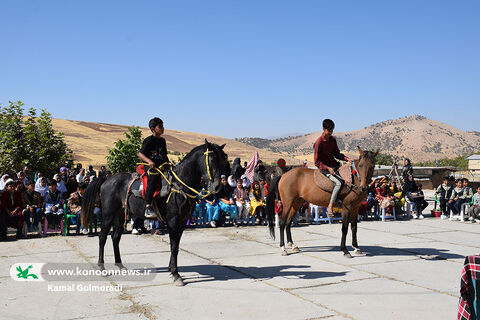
<point>106,226</point>
<point>116,235</point>
<point>354,236</point>
<point>343,247</point>
<point>289,238</point>
<point>282,237</point>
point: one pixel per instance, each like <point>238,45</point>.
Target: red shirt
<point>325,152</point>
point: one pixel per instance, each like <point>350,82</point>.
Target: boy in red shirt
<point>325,152</point>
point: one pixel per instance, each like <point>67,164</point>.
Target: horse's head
<point>365,165</point>
<point>212,165</point>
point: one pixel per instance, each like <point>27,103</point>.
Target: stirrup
<point>150,213</point>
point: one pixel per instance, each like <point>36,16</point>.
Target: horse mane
<point>201,148</point>
<point>369,155</point>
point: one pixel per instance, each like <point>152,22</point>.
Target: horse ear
<point>223,146</point>
<point>360,151</point>
<point>206,142</point>
<point>376,152</point>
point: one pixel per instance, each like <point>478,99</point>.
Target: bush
<point>124,156</point>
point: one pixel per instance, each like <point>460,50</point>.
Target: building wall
<point>473,164</point>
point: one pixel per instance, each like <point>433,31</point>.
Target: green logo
<point>24,273</point>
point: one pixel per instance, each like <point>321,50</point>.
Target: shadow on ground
<point>427,253</point>
<point>211,272</point>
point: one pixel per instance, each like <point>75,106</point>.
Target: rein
<point>172,189</point>
<point>354,186</point>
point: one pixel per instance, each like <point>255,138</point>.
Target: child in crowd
<point>225,200</point>
<point>443,193</point>
<point>455,202</point>
<point>240,195</point>
<point>257,204</point>
<point>475,208</point>
<point>53,201</point>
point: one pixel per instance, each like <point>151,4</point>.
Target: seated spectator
<point>225,200</point>
<point>384,198</point>
<point>27,174</point>
<point>72,186</point>
<point>80,176</point>
<point>467,191</point>
<point>21,177</point>
<point>60,184</point>
<point>397,197</point>
<point>257,204</point>
<point>410,190</point>
<point>37,176</point>
<point>421,204</point>
<point>20,186</point>
<point>240,195</point>
<point>200,212</point>
<point>213,210</point>
<point>456,200</point>
<point>11,212</point>
<point>443,193</point>
<point>3,180</point>
<point>475,208</point>
<point>53,202</point>
<point>41,186</point>
<point>32,206</point>
<point>74,204</point>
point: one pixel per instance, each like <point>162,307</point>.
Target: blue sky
<point>244,68</point>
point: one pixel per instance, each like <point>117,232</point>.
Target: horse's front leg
<point>354,237</point>
<point>282,237</point>
<point>343,246</point>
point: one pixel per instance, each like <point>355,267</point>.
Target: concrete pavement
<point>411,271</point>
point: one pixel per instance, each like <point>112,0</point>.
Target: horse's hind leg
<point>116,236</point>
<point>282,237</point>
<point>102,238</point>
<point>289,238</point>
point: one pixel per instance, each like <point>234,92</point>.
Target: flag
<point>250,170</point>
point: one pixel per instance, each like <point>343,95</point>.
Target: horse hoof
<point>178,282</point>
<point>296,249</point>
<point>101,266</point>
<point>347,255</point>
<point>359,252</point>
<point>121,266</point>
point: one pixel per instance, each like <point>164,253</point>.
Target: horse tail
<point>89,199</point>
<point>270,206</point>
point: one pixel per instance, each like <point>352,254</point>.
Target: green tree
<point>124,156</point>
<point>31,140</point>
<point>384,159</point>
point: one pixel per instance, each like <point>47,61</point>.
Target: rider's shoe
<point>149,213</point>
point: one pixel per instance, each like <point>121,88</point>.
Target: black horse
<point>207,161</point>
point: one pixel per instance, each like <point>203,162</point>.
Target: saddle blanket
<point>326,184</point>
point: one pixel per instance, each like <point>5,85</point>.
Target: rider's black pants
<point>153,181</point>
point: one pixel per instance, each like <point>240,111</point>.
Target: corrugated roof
<point>474,157</point>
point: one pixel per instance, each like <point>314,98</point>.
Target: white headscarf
<point>39,188</point>
<point>60,185</point>
<point>2,182</point>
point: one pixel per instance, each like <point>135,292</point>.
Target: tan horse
<point>297,186</point>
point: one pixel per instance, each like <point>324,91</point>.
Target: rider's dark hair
<point>82,186</point>
<point>328,124</point>
<point>155,122</point>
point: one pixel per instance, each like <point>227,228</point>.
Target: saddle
<point>138,184</point>
<point>322,181</point>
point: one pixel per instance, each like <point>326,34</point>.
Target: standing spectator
<point>240,195</point>
<point>53,202</point>
<point>259,171</point>
<point>225,200</point>
<point>103,172</point>
<point>407,169</point>
<point>91,172</point>
<point>81,175</point>
<point>21,177</point>
<point>11,213</point>
<point>32,202</point>
<point>257,204</point>
<point>443,192</point>
<point>64,174</point>
<point>37,176</point>
<point>27,174</point>
<point>475,209</point>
